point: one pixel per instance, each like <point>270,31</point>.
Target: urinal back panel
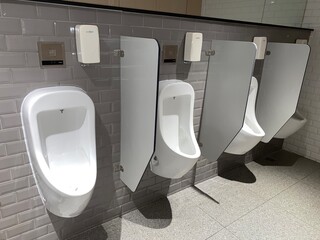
<point>227,88</point>
<point>139,87</point>
<point>281,82</point>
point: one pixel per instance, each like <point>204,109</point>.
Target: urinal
<point>59,129</point>
<point>251,132</point>
<point>294,123</point>
<point>176,150</point>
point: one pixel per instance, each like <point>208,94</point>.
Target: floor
<point>275,198</point>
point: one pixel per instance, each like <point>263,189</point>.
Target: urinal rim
<point>169,83</point>
<point>42,171</point>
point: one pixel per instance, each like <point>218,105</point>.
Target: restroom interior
<point>22,214</point>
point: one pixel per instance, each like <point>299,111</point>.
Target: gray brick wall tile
<point>31,214</point>
<point>21,171</point>
<point>151,21</point>
<point>116,30</point>
<point>161,34</point>
<point>65,29</point>
<point>2,43</point>
<point>10,26</point>
<point>32,59</point>
<point>188,25</point>
<point>142,32</point>
<point>15,208</point>
<point>42,220</point>
<point>132,19</point>
<point>8,106</point>
<point>28,75</point>
<point>12,91</point>
<point>7,199</point>
<point>12,186</point>
<point>9,135</point>
<point>109,95</point>
<point>5,175</point>
<point>11,161</point>
<point>58,74</point>
<point>16,147</point>
<point>21,43</point>
<point>8,222</point>
<point>21,228</point>
<point>27,193</point>
<point>171,23</point>
<point>37,27</point>
<point>16,9</point>
<point>82,15</point>
<point>3,151</point>
<point>50,236</point>
<point>34,234</point>
<point>5,76</point>
<point>8,59</point>
<point>109,17</point>
<point>11,120</point>
<point>53,12</point>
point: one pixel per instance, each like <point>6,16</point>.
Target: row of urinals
<point>59,128</point>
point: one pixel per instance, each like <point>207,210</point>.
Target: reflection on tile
<point>270,222</point>
<point>302,201</point>
<point>223,235</point>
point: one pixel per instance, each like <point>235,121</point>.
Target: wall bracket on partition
<point>139,88</point>
<point>228,82</point>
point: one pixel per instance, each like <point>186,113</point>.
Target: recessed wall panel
<point>139,82</point>
<point>280,86</point>
<point>228,81</point>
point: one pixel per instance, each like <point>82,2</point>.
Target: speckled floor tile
<point>301,200</point>
<point>231,201</point>
<point>224,234</point>
<point>313,180</point>
<point>271,222</point>
<point>165,220</point>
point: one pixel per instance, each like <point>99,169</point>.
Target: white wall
<point>306,141</point>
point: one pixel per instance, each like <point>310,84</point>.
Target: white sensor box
<point>261,43</point>
<point>192,47</point>
<point>88,45</point>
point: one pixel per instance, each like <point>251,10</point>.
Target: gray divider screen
<point>228,82</point>
<point>280,86</point>
<point>139,83</point>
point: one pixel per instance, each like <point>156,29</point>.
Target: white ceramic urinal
<point>296,122</point>
<point>59,128</point>
<point>251,132</point>
<point>176,147</point>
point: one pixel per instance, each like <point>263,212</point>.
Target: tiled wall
<point>306,141</point>
<point>22,25</point>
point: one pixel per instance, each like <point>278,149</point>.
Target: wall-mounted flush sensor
<point>302,41</point>
<point>170,53</point>
<point>192,47</point>
<point>88,46</point>
<point>261,43</point>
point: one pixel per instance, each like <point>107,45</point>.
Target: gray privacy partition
<point>281,81</point>
<point>139,83</point>
<point>228,82</point>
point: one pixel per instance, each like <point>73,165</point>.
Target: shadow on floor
<point>157,215</point>
<point>97,233</point>
<point>280,158</point>
<point>239,174</point>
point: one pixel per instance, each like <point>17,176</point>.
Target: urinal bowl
<point>251,132</point>
<point>176,147</point>
<point>59,128</point>
<point>296,122</point>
